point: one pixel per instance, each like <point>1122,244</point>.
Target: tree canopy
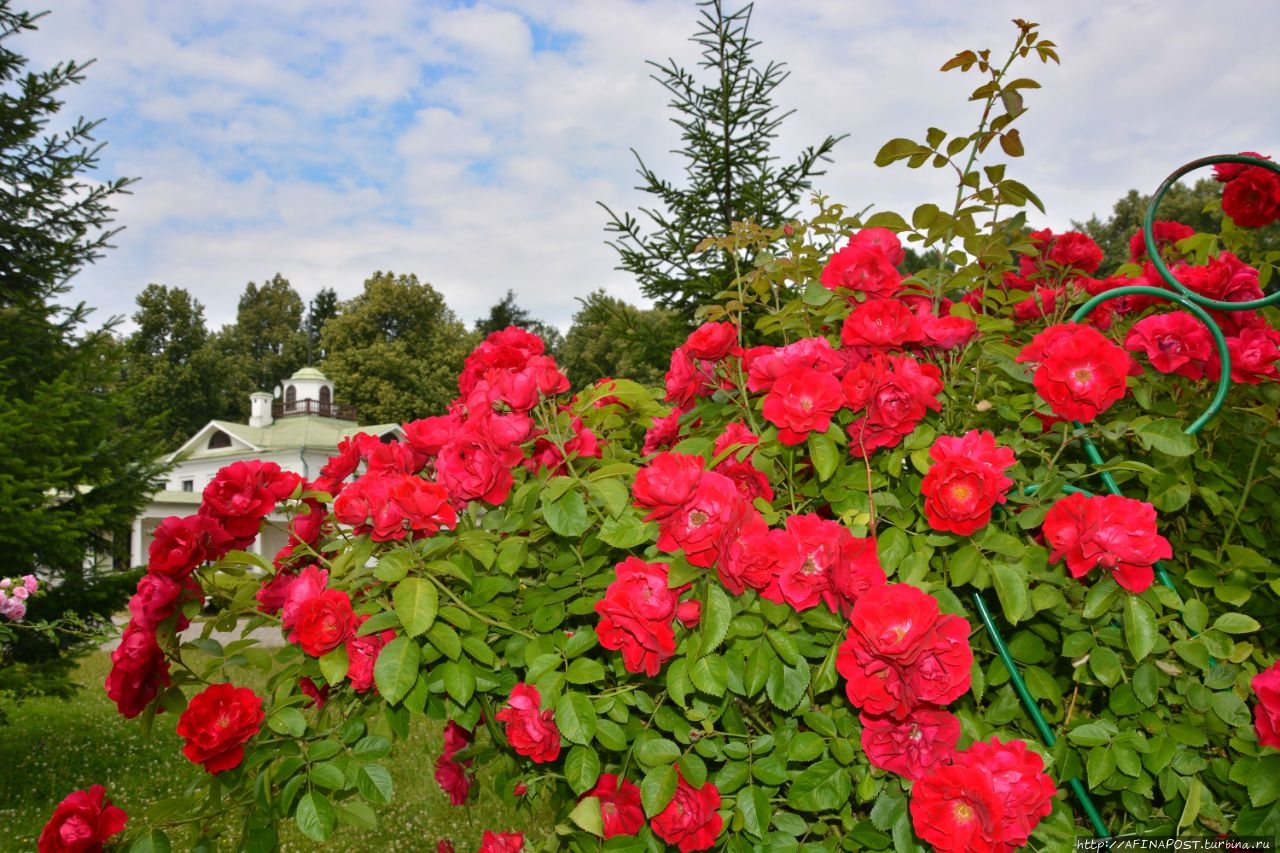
<point>395,350</point>
<point>72,478</point>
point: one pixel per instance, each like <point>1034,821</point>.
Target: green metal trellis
<point>1187,300</point>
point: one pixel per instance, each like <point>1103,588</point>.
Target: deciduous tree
<point>395,351</point>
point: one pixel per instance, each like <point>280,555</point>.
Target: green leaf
<point>825,455</point>
<point>753,805</point>
<point>567,514</point>
<point>287,721</point>
<point>1236,623</point>
<point>1011,589</point>
<point>355,813</point>
<point>628,530</point>
<point>588,816</point>
<point>1166,436</point>
<point>896,149</point>
<point>710,674</point>
<point>610,735</point>
<point>1264,785</point>
<point>1095,733</point>
<point>459,680</point>
<point>787,685</point>
<point>1106,666</point>
<point>656,751</point>
<point>581,769</point>
<point>396,669</point>
<point>611,493</point>
<point>443,638</point>
<point>416,602</point>
<point>1140,629</point>
<point>576,718</point>
<point>1100,765</point>
<point>315,816</point>
<point>374,783</point>
<point>585,671</point>
<point>717,615</point>
<point>823,787</point>
<point>657,788</point>
<point>371,747</point>
<point>334,665</point>
<point>326,774</point>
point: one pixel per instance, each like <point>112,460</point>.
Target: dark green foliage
<point>173,379</point>
<point>728,124</point>
<point>72,478</point>
<point>395,351</point>
<point>506,313</point>
<point>267,343</point>
<point>612,338</point>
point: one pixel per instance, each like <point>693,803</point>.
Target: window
<point>188,485</point>
<point>324,395</point>
<point>290,395</point>
<point>219,440</point>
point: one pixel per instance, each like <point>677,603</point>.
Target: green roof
<point>309,373</point>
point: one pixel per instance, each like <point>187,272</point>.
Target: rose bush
<point>832,587</point>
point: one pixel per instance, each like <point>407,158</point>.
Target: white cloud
<point>469,143</point>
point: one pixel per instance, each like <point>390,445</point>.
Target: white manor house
<point>298,432</point>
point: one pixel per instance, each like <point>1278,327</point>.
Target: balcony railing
<point>313,407</point>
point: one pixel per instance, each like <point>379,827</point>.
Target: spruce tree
<point>728,123</point>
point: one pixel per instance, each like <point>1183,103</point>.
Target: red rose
<point>901,652</point>
<point>688,379</point>
<point>181,544</point>
<point>713,341</point>
<point>362,654</point>
<point>501,842</point>
<point>690,821</point>
<point>1224,172</point>
<point>823,550</point>
<point>423,505</point>
<point>427,435</point>
<point>159,597</point>
<point>244,493</point>
<point>1018,779</point>
<point>1079,373</point>
<point>868,264</point>
<point>81,823</point>
<point>882,323</point>
<point>965,481</point>
<point>323,623</point>
<point>636,614</point>
<point>453,779</point>
<point>1114,533</point>
<point>1075,251</point>
<point>801,402</point>
<point>895,391</point>
<point>218,723</point>
<point>947,332</point>
<point>1252,198</point>
<point>765,365</point>
<point>1166,234</point>
<point>1254,353</point>
<point>925,740</point>
<point>1174,343</point>
<point>1266,713</point>
<point>955,809</point>
<point>530,731</point>
<point>666,483</point>
<point>138,670</point>
<point>756,557</point>
<point>472,467</point>
<point>706,522</point>
<point>620,805</point>
<point>510,348</point>
<point>664,433</point>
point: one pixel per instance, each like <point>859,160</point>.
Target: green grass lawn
<point>51,747</point>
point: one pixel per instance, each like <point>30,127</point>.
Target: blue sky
<point>469,143</point>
